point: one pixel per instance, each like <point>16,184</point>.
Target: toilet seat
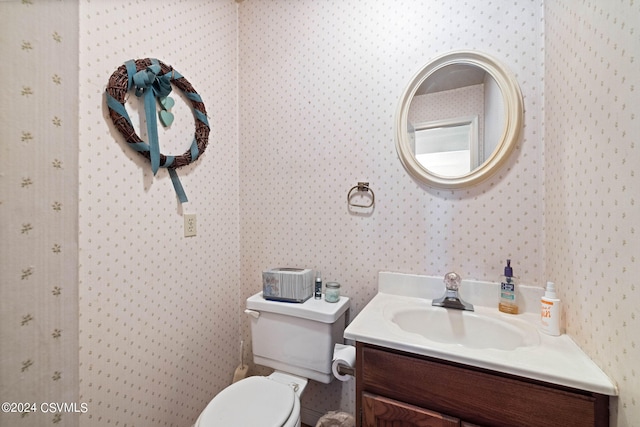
<point>253,401</point>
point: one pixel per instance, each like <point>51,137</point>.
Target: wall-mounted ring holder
<point>362,187</point>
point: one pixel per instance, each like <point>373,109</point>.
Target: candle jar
<point>332,292</point>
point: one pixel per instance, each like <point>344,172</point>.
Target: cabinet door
<point>378,411</point>
<point>475,395</point>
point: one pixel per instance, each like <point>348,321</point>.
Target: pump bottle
<point>508,303</point>
<point>550,311</point>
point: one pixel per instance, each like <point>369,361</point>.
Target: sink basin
<point>464,328</point>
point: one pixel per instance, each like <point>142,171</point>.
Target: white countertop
<point>556,360</point>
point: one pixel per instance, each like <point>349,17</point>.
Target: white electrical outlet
<point>189,225</point>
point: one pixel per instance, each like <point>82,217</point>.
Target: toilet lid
<point>253,401</point>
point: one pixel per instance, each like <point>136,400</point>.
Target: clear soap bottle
<point>508,303</point>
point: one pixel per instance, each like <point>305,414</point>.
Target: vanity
<point>419,365</point>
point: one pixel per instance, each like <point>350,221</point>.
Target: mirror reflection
<point>458,119</point>
<point>455,119</point>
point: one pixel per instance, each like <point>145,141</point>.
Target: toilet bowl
<point>272,401</point>
<point>297,341</point>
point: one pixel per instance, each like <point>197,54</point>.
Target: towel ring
<point>361,187</point>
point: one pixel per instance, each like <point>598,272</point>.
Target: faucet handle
<point>452,281</point>
<point>451,299</point>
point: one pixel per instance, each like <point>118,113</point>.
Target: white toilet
<point>297,341</point>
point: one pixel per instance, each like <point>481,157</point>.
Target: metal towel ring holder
<point>361,187</point>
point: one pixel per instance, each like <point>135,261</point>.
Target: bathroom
<point>104,301</point>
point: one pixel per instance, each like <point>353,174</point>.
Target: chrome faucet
<point>451,299</point>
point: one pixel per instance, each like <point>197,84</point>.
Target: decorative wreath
<point>152,80</point>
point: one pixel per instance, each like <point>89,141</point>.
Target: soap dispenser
<point>508,302</point>
<point>550,311</point>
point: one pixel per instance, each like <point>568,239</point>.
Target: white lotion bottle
<point>550,311</point>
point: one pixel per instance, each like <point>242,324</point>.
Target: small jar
<point>332,292</point>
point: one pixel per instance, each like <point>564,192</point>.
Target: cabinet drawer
<point>380,411</point>
<point>474,395</point>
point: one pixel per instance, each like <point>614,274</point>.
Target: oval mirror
<point>458,119</point>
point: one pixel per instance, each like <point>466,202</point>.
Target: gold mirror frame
<point>514,118</point>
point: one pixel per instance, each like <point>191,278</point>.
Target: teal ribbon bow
<point>150,85</point>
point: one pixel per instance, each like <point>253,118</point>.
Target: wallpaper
<point>320,82</point>
<point>39,212</point>
<point>466,101</point>
<point>592,155</point>
<point>159,312</point>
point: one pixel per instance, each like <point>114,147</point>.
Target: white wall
<point>591,161</point>
<point>319,86</point>
<point>494,114</point>
<point>159,314</point>
<point>39,210</point>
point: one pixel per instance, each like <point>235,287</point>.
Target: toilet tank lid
<point>313,309</point>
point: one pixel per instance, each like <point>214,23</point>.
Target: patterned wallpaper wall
<point>39,210</point>
<point>592,153</point>
<point>159,313</point>
<point>466,101</point>
<point>319,86</point>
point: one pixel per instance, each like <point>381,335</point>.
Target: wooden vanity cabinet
<point>405,390</point>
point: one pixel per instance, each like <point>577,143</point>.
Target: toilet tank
<point>297,338</point>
